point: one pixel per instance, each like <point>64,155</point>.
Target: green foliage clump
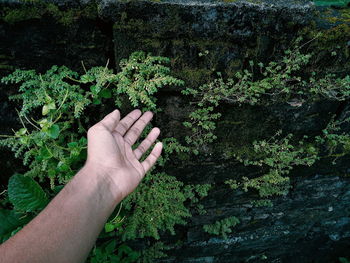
<point>333,140</point>
<point>39,9</point>
<point>195,193</point>
<point>52,143</point>
<point>280,80</point>
<point>331,87</point>
<point>164,210</point>
<point>222,227</point>
<point>110,252</point>
<point>156,251</point>
<point>28,198</point>
<point>279,156</point>
<point>141,77</point>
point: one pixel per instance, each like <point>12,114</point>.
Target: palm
<point>110,147</point>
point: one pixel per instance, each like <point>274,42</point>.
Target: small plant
<point>334,141</point>
<point>222,227</point>
<point>152,208</point>
<point>109,252</point>
<point>279,156</point>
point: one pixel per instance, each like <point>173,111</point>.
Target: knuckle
<point>128,141</point>
<point>136,131</point>
<point>148,142</point>
<point>123,127</point>
<point>143,121</point>
<point>142,148</point>
<point>92,130</point>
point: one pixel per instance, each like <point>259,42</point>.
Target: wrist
<point>101,180</point>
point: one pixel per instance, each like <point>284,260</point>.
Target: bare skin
<point>66,230</point>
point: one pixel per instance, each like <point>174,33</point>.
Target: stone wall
<point>312,222</point>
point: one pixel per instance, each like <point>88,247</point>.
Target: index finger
<point>125,124</point>
<point>135,131</point>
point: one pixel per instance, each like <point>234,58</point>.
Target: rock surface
<point>312,223</point>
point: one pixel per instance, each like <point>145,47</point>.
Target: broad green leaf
<point>109,227</point>
<point>9,221</point>
<point>44,154</point>
<point>25,194</point>
<point>53,131</point>
<point>96,101</point>
<point>106,93</point>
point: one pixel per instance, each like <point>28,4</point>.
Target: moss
<point>230,151</point>
<point>64,16</point>
<point>153,43</point>
<point>329,39</point>
<point>6,67</point>
<point>194,76</point>
<point>131,25</point>
<point>233,66</point>
<point>13,16</point>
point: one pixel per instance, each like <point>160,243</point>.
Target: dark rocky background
<point>312,222</point>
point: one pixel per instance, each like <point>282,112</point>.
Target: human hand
<point>110,152</point>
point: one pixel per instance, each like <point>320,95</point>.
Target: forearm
<point>67,228</point>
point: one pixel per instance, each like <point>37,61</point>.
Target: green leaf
<point>21,132</point>
<point>72,145</point>
<point>44,154</point>
<point>47,107</point>
<point>9,221</point>
<point>53,131</point>
<point>96,101</point>
<point>109,227</point>
<point>95,89</point>
<point>111,247</point>
<point>87,78</point>
<point>25,194</point>
<point>106,93</point>
<point>62,166</point>
<point>43,123</point>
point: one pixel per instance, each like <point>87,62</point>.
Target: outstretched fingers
<point>152,157</point>
<point>146,143</point>
<point>125,124</point>
<point>135,131</point>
